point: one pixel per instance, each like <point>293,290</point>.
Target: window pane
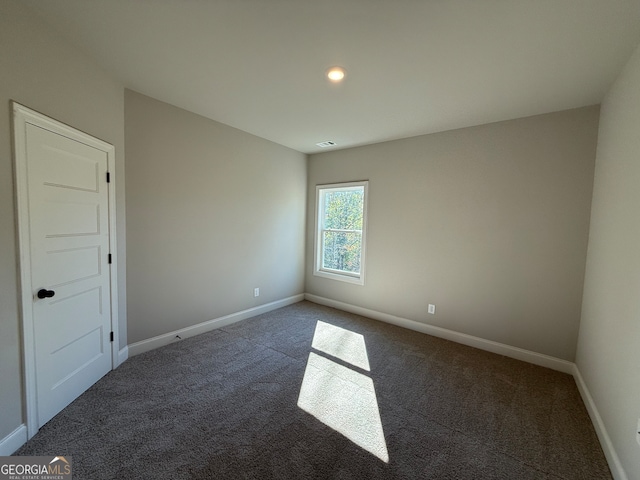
<point>343,209</point>
<point>341,251</point>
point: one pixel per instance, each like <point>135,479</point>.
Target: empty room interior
<point>478,316</point>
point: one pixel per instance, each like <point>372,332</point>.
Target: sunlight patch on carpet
<point>342,398</point>
<point>344,344</point>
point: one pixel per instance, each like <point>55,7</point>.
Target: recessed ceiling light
<point>336,74</point>
<point>326,144</point>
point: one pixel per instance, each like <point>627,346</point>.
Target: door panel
<point>72,170</point>
<point>72,265</point>
<point>69,244</point>
<point>64,218</point>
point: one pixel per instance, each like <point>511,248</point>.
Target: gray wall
<point>41,71</point>
<point>212,213</point>
<point>609,343</point>
<point>489,223</point>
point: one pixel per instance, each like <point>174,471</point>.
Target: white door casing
<point>66,230</point>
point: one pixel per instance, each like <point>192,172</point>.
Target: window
<point>341,213</point>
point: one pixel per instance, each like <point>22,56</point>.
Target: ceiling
<point>413,66</point>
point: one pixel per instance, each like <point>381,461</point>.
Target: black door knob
<point>45,293</point>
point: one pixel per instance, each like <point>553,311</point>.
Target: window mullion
<point>340,230</point>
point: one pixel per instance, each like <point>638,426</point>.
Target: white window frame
<point>318,270</point>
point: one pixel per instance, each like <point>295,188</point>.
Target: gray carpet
<point>225,405</point>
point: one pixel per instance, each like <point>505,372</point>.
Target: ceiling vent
<point>326,144</point>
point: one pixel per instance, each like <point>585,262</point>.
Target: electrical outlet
<point>638,432</point>
<point>432,309</point>
<point>256,292</point>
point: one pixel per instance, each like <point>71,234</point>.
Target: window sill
<point>341,278</point>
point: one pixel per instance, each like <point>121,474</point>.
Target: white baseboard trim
<point>123,355</point>
<point>167,338</point>
<point>13,441</point>
<point>617,470</point>
<point>469,340</point>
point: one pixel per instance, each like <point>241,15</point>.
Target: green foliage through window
<point>341,251</point>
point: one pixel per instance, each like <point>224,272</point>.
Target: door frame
<point>22,116</point>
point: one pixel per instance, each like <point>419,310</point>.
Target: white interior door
<point>68,258</point>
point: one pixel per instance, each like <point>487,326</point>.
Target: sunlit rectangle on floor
<point>344,344</point>
<point>344,400</point>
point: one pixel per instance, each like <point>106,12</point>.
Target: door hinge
<point>111,336</point>
<point>109,258</point>
<point>108,177</point>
